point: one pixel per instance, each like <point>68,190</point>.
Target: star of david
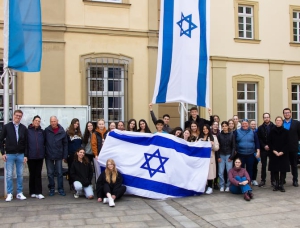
<point>152,170</point>
<point>187,19</point>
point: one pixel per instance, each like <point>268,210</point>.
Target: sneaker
<point>111,202</point>
<point>262,184</point>
<point>209,191</point>
<point>227,189</point>
<point>222,189</point>
<point>20,196</point>
<point>254,182</point>
<point>40,196</point>
<point>51,192</point>
<point>76,195</point>
<point>62,193</point>
<point>33,195</point>
<point>246,197</point>
<point>105,200</point>
<point>9,197</point>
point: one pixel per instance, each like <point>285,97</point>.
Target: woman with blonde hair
<point>109,184</point>
<point>98,137</point>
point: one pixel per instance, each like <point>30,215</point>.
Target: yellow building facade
<point>103,53</point>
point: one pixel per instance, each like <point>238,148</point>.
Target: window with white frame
<point>296,102</point>
<point>247,100</point>
<point>106,92</point>
<point>296,26</point>
<point>245,22</point>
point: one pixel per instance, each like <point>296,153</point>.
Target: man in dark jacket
<point>293,126</point>
<point>166,119</point>
<point>13,142</point>
<point>195,117</point>
<point>56,152</point>
<point>263,133</point>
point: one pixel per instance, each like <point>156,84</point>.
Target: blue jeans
<point>241,188</point>
<point>12,159</point>
<point>224,162</point>
<point>57,166</point>
<point>247,160</point>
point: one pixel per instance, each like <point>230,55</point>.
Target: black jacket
<point>279,141</point>
<point>200,122</point>
<point>56,144</point>
<point>263,135</point>
<point>166,127</point>
<point>114,186</point>
<point>226,144</point>
<point>82,172</point>
<point>9,139</point>
<point>294,136</point>
<point>36,143</point>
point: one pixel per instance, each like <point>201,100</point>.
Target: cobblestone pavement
<point>267,209</point>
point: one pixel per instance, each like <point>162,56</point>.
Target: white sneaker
<point>20,196</point>
<point>105,200</point>
<point>222,189</point>
<point>76,195</point>
<point>227,189</point>
<point>33,196</point>
<point>9,197</point>
<point>209,191</point>
<point>111,202</point>
<point>254,182</point>
<point>40,196</point>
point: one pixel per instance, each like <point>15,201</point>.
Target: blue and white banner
<point>158,166</point>
<point>22,35</point>
<point>183,56</point>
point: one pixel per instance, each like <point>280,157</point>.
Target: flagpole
<point>5,113</point>
<point>182,112</point>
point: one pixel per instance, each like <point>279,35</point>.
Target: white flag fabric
<point>183,56</point>
<point>158,166</point>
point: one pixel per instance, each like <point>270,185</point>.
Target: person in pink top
<point>240,180</point>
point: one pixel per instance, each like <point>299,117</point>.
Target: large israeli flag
<point>158,166</point>
<point>22,35</point>
<point>183,56</point>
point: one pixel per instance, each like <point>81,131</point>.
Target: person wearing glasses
<point>247,144</point>
<point>293,127</point>
<point>240,180</point>
<point>263,133</point>
<point>13,144</point>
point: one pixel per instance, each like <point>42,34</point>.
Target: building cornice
<point>251,60</point>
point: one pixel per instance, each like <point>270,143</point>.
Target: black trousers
<point>293,162</point>
<point>70,161</point>
<point>279,177</point>
<point>254,174</point>
<point>35,175</point>
<point>117,191</point>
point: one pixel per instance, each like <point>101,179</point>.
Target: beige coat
<point>212,173</point>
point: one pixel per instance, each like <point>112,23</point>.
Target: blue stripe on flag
<point>202,72</point>
<point>25,35</point>
<point>155,186</point>
<point>157,140</point>
<point>167,50</point>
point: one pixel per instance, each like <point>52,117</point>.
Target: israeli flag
<point>183,56</point>
<point>158,166</point>
<point>22,35</point>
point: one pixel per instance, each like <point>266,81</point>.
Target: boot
<point>281,188</point>
<point>276,186</point>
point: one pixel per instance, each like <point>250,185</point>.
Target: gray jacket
<point>56,144</point>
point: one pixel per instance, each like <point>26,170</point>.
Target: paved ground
<point>268,209</point>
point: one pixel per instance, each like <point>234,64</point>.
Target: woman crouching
<point>239,180</point>
<point>109,184</point>
<point>82,174</point>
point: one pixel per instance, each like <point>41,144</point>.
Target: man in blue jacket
<point>13,143</point>
<point>56,152</point>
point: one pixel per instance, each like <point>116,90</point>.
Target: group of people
<point>236,148</point>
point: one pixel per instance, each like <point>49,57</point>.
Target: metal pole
<point>5,113</point>
<point>182,114</point>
